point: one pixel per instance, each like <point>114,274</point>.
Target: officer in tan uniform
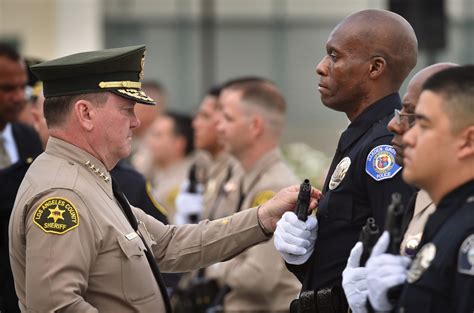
<point>222,171</point>
<point>253,118</point>
<point>75,243</point>
<point>170,141</point>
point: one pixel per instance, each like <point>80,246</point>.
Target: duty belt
<point>327,300</point>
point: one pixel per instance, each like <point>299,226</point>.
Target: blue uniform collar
<point>368,117</point>
<point>447,207</point>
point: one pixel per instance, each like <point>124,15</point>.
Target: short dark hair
<point>9,52</point>
<point>183,127</point>
<point>56,109</point>
<point>456,86</point>
<point>260,92</point>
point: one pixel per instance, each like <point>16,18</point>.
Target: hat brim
<point>136,95</point>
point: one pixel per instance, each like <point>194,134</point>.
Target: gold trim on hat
<point>138,94</point>
<point>120,84</point>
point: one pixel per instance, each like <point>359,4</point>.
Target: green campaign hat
<point>116,70</point>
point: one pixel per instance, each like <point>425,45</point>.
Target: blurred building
<point>195,43</point>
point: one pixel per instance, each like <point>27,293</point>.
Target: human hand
<point>285,200</point>
<point>354,281</point>
<point>294,239</point>
<point>384,271</point>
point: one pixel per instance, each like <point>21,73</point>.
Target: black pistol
<point>302,205</point>
<point>368,236</point>
<point>192,188</point>
<point>393,223</point>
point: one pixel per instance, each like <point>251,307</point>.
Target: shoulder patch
<point>466,256</point>
<point>171,196</point>
<point>56,216</point>
<point>262,197</point>
<point>380,163</point>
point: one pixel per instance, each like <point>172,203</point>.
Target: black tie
<point>149,256</point>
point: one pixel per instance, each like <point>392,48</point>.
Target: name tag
<point>131,236</point>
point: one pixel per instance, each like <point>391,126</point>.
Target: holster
<point>326,300</point>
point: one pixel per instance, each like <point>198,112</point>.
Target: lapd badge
<point>56,216</point>
<point>262,197</point>
<point>339,173</point>
<point>466,256</point>
<point>422,262</point>
<point>381,164</point>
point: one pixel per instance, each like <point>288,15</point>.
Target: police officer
<point>76,244</point>
<point>19,145</point>
<point>420,206</point>
<point>222,171</point>
<point>253,117</point>
<point>170,142</point>
<point>441,278</point>
<point>369,54</point>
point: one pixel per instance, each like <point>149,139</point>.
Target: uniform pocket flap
<point>131,245</point>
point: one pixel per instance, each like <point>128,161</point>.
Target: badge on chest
<point>339,173</point>
<point>422,262</point>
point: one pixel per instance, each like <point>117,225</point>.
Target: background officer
<point>253,118</point>
<point>19,145</point>
<point>369,54</point>
<point>441,277</point>
<point>73,234</point>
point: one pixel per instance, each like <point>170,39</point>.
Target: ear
<point>377,67</point>
<point>257,126</point>
<point>85,113</point>
<point>466,148</point>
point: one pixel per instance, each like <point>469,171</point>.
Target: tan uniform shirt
<point>258,278</point>
<point>73,250</point>
<point>424,206</point>
<point>221,194</point>
<point>167,183</point>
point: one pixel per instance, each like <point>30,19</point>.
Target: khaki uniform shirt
<point>167,183</point>
<point>258,278</point>
<point>222,192</point>
<point>73,250</point>
<point>424,206</point>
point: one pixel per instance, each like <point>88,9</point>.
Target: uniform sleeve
<point>380,192</point>
<point>60,249</point>
<point>189,247</point>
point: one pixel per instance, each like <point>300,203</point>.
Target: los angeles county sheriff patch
<point>381,164</point>
<point>262,197</point>
<point>56,216</point>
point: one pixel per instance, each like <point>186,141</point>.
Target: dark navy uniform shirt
<point>441,278</point>
<point>365,147</point>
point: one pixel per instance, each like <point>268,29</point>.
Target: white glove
<point>384,271</point>
<point>294,239</point>
<point>354,281</point>
<point>187,205</point>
